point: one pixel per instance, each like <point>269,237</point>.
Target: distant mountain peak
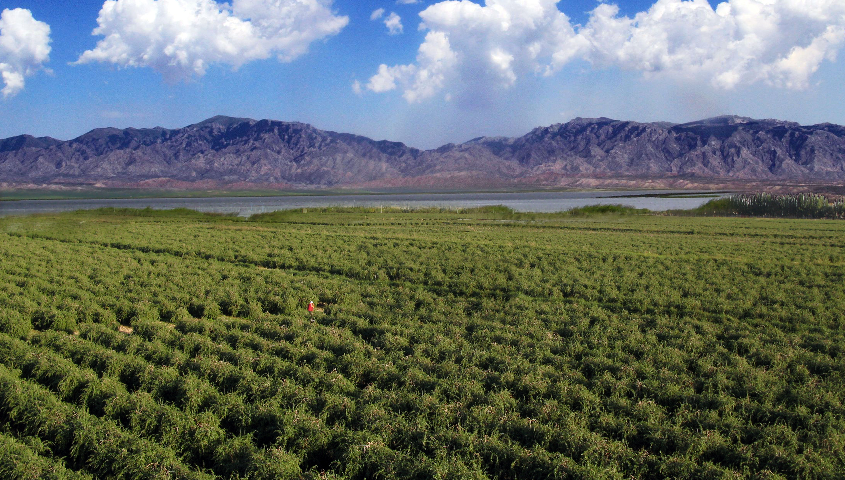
<point>587,120</point>
<point>481,140</point>
<point>223,121</point>
<point>26,141</point>
<point>230,151</point>
<point>721,120</point>
<point>734,122</point>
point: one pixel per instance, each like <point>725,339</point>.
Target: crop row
<point>442,347</point>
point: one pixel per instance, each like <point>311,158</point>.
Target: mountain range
<point>226,152</point>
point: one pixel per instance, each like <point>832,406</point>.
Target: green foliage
<point>14,323</point>
<point>333,214</point>
<point>607,210</point>
<point>25,460</point>
<point>88,442</point>
<point>148,212</point>
<point>52,319</point>
<point>483,343</point>
<point>802,205</point>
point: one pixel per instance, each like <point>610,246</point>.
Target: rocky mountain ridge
<point>226,151</point>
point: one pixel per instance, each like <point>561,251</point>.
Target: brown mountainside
<point>235,151</point>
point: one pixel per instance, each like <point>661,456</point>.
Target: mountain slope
<point>227,151</point>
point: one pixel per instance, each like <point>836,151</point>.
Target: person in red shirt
<point>311,310</point>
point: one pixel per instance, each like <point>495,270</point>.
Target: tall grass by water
<point>800,205</point>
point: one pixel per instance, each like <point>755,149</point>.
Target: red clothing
<point>311,307</point>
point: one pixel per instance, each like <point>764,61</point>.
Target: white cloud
<point>385,79</point>
<point>407,2</point>
<point>24,48</point>
<point>436,61</point>
<point>377,13</point>
<point>741,42</point>
<point>181,38</point>
<point>483,47</point>
<point>393,22</point>
<point>794,70</point>
<point>357,89</point>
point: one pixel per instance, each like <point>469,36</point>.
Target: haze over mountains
<point>225,152</point>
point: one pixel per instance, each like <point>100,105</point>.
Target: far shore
<point>9,192</point>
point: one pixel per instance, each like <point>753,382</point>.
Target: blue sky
<point>455,70</point>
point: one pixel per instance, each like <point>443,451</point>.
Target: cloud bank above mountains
<point>471,47</point>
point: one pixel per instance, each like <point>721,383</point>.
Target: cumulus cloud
<point>475,45</point>
<point>181,38</point>
<point>24,48</point>
<point>740,42</point>
<point>436,61</point>
<point>393,22</point>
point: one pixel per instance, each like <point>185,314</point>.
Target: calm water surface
<point>245,206</point>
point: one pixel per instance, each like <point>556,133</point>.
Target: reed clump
<point>799,205</point>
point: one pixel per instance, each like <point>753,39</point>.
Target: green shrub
<point>13,323</point>
<point>274,463</point>
<point>52,319</point>
<point>606,210</point>
<point>30,460</point>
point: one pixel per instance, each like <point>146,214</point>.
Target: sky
<point>422,72</point>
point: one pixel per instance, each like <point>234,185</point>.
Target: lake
<point>246,206</point>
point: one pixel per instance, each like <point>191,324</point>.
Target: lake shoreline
<point>11,195</point>
<point>526,201</point>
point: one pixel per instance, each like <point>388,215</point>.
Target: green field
<point>465,344</point>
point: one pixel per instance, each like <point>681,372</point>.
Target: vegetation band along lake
<point>655,200</point>
<point>466,344</point>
